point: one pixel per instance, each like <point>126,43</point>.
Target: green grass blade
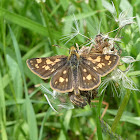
<point>26,23</point>
<point>99,129</point>
<point>47,115</point>
<point>120,111</point>
<point>2,111</point>
<point>29,108</point>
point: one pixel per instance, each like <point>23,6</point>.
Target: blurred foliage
<point>29,29</point>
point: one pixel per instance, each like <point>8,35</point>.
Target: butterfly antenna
<point>77,47</point>
<point>60,47</point>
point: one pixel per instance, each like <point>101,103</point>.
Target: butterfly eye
<point>75,51</point>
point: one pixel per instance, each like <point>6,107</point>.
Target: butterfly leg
<point>90,95</point>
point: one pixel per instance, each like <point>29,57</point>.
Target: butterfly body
<point>74,72</point>
<point>74,65</point>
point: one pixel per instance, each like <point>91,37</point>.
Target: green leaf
<point>67,119</point>
<point>133,73</point>
<point>2,111</point>
<point>25,23</point>
<point>132,120</point>
<point>62,136</point>
<point>79,16</point>
<point>29,108</point>
<point>65,4</point>
<point>16,77</point>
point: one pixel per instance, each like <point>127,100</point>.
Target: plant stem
<point>120,111</point>
<point>99,130</point>
<point>137,106</point>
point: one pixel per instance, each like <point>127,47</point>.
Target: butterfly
<point>74,72</point>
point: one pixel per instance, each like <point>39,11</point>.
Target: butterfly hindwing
<point>101,64</point>
<point>47,66</point>
<point>62,80</point>
<point>88,79</point>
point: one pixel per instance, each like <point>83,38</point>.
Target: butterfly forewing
<point>101,64</point>
<point>47,66</point>
<point>88,79</point>
<point>62,80</point>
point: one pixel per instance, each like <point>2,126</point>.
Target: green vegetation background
<point>29,29</point>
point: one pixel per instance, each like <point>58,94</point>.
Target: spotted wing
<point>88,79</point>
<point>62,80</point>
<point>47,66</point>
<point>101,64</point>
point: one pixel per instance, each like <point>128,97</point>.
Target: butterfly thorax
<point>74,61</point>
<point>73,58</point>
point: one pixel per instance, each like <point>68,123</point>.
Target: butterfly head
<point>73,51</point>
